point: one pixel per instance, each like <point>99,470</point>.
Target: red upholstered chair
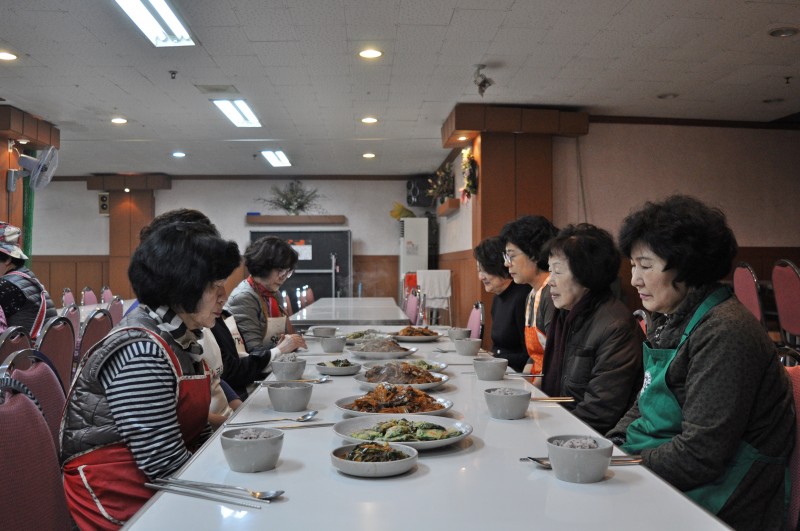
<point>747,290</point>
<point>475,321</point>
<point>31,493</point>
<point>106,296</point>
<point>115,309</point>
<point>643,318</point>
<point>786,285</point>
<point>36,371</point>
<point>88,296</point>
<point>794,461</point>
<point>57,342</point>
<point>67,298</point>
<point>13,339</point>
<point>97,325</point>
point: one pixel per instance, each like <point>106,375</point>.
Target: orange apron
<point>104,486</point>
<point>535,339</point>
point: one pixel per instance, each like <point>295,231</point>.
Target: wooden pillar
<point>129,212</point>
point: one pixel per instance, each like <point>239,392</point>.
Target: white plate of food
<point>399,459</point>
<point>442,379</point>
<point>433,366</point>
<point>338,368</point>
<point>388,355</point>
<point>354,338</point>
<point>421,432</point>
<point>415,334</point>
<point>376,402</point>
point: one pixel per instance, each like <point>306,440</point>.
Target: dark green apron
<point>661,417</point>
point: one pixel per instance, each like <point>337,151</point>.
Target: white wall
<point>66,221</point>
<point>455,231</point>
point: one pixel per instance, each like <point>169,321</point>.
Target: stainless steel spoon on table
<point>616,460</point>
<point>219,487</point>
<point>302,418</point>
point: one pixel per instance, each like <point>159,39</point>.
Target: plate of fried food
<point>416,334</point>
<point>421,432</point>
<point>401,374</point>
<point>388,398</point>
<point>379,349</point>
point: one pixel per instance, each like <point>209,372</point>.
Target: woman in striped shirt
<point>139,405</point>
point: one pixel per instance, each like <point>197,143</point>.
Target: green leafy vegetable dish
<point>335,363</point>
<point>374,452</point>
<point>402,430</point>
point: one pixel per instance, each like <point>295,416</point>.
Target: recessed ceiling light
<point>179,154</point>
<point>22,141</point>
<point>667,96</point>
<point>119,120</point>
<point>277,159</point>
<point>369,120</point>
<point>462,138</point>
<point>773,100</point>
<point>157,21</point>
<point>127,190</point>
<point>783,32</point>
<point>370,53</point>
<point>6,56</point>
<point>238,112</point>
<point>368,155</point>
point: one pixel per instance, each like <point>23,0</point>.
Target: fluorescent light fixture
<point>119,120</point>
<point>370,53</point>
<point>368,155</point>
<point>179,154</point>
<point>157,21</point>
<point>6,56</point>
<point>277,159</point>
<point>238,112</point>
<point>369,120</point>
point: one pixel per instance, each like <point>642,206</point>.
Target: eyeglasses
<point>285,273</point>
<point>508,258</point>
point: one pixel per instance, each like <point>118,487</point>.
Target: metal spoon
<point>616,460</point>
<point>217,487</point>
<point>323,379</point>
<point>302,418</point>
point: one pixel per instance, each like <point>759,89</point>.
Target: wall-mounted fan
<point>41,169</point>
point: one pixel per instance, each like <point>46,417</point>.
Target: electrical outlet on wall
<point>102,203</point>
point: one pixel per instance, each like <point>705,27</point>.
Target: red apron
<point>104,486</point>
<point>535,339</point>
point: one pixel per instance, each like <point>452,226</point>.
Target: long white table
<point>478,483</point>
<point>350,311</point>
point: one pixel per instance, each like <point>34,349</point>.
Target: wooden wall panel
<point>534,170</point>
<point>128,212</point>
<point>73,272</point>
<point>378,275</point>
<point>465,285</point>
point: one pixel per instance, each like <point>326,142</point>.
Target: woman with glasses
<point>508,304</point>
<point>255,304</point>
<point>594,344</point>
<point>527,265</point>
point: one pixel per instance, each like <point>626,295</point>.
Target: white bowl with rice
<point>507,403</point>
<point>251,449</point>
<point>579,458</point>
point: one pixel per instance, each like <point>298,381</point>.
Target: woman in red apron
<point>139,404</point>
<point>524,238</point>
<point>715,415</point>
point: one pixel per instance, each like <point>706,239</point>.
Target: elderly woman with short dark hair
<point>256,305</point>
<point>508,304</point>
<point>139,404</point>
<point>715,416</point>
<point>594,344</point>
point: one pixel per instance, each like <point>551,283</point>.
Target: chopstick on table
<point>205,495</point>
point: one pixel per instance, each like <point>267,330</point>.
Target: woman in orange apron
<point>715,415</point>
<point>139,404</point>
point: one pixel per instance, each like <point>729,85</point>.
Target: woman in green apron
<point>715,416</point>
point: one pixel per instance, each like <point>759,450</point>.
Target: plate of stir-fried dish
<point>401,374</point>
<point>415,334</point>
<point>422,432</point>
<point>388,398</point>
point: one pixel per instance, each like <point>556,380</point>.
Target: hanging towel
<point>435,284</point>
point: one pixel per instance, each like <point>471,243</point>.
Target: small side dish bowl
<point>575,460</point>
<point>289,396</point>
<point>288,370</point>
<point>323,331</point>
<point>333,345</point>
<point>490,368</point>
<point>458,333</point>
<point>347,370</point>
<point>507,403</point>
<point>251,449</point>
<point>467,347</point>
<point>374,469</point>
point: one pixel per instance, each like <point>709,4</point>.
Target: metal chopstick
<point>204,494</point>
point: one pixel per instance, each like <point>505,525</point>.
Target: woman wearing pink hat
<point>23,299</point>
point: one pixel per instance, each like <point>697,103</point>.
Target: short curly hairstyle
<point>691,237</point>
<point>176,262</point>
<point>593,258</point>
<point>530,233</point>
<point>489,254</point>
<point>173,216</point>
<point>268,253</point>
